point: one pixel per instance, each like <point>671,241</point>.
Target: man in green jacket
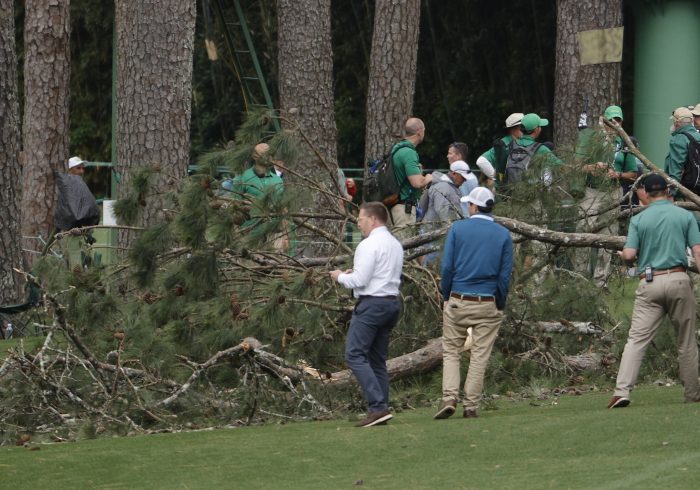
<point>603,183</point>
<point>409,174</point>
<point>682,130</point>
<point>252,183</point>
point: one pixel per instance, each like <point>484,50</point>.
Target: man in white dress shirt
<point>374,279</point>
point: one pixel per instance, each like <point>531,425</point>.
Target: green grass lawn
<point>576,443</point>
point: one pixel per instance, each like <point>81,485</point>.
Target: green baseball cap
<point>532,120</point>
<point>612,112</point>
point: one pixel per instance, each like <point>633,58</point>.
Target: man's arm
<point>696,254</point>
<point>446,271</point>
<point>504,275</point>
<point>419,181</point>
<point>678,151</point>
<point>629,254</point>
<point>362,269</point>
<point>486,166</point>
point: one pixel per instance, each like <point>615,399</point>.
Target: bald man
<point>408,174</point>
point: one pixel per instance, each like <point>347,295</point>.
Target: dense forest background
<point>477,63</point>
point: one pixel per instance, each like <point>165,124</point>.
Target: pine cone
<point>178,290</point>
<point>119,336</point>
<point>77,269</point>
<point>235,306</point>
<point>281,300</point>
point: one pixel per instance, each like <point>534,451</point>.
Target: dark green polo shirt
<point>406,163</point>
<point>661,234</point>
<point>678,150</point>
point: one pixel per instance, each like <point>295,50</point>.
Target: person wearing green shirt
<point>681,130</point>
<point>409,174</point>
<point>603,182</point>
<point>696,116</point>
<point>658,239</point>
<point>492,163</point>
<point>251,184</point>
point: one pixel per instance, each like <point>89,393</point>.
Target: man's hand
<point>334,274</point>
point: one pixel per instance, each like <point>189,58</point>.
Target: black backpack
<point>690,177</point>
<point>380,183</point>
<point>519,158</point>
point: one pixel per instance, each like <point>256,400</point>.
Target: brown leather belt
<point>478,299</point>
<point>664,271</point>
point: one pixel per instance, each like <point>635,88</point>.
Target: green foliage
<point>191,222</point>
<point>145,251</point>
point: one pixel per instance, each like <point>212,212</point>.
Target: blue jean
<point>367,345</point>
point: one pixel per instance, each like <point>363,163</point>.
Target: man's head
<point>414,131</point>
<point>655,187</point>
<point>261,162</point>
<point>457,151</point>
<point>481,200</point>
<point>76,166</point>
<point>513,123</point>
<point>532,124</point>
<point>613,113</point>
<point>696,116</point>
<point>459,172</point>
<point>682,117</point>
<point>372,215</point>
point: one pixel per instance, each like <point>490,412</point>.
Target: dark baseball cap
<point>654,182</point>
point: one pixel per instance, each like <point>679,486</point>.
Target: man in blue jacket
<point>476,266</point>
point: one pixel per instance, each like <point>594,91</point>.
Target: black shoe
<point>446,410</point>
<point>375,418</point>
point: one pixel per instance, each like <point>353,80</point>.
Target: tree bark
<point>10,173</point>
<point>46,121</point>
<point>305,61</point>
<point>392,73</point>
<point>574,84</point>
<point>155,42</point>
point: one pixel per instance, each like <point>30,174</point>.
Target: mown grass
<point>30,344</point>
<point>574,442</point>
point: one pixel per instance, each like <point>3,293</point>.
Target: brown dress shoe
<point>470,414</point>
<point>375,418</point>
<point>446,410</point>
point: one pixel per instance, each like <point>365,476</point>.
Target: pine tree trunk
<point>305,62</point>
<point>155,42</point>
<point>598,84</point>
<point>46,121</point>
<point>392,73</point>
<point>10,173</point>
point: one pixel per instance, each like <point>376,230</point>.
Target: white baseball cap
<point>460,167</point>
<point>482,197</point>
<point>75,162</point>
<point>514,119</point>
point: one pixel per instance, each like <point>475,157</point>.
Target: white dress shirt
<point>377,265</point>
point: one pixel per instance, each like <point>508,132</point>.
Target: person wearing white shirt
<point>374,279</point>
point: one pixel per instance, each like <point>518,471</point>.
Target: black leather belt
<point>377,297</point>
<point>468,297</point>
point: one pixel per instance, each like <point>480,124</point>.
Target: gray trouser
<point>672,295</point>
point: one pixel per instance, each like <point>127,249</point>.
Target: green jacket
<point>678,150</point>
<point>406,163</point>
<point>251,185</point>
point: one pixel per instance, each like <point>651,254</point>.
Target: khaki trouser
<point>402,223</point>
<point>594,201</point>
<point>670,294</point>
<point>485,321</point>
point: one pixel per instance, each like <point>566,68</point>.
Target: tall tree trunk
<point>10,190</point>
<point>46,121</point>
<point>598,84</point>
<point>392,73</point>
<point>155,42</point>
<point>305,62</point>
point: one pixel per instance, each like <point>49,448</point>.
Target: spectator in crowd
<point>477,263</point>
<point>492,163</point>
<point>459,152</point>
